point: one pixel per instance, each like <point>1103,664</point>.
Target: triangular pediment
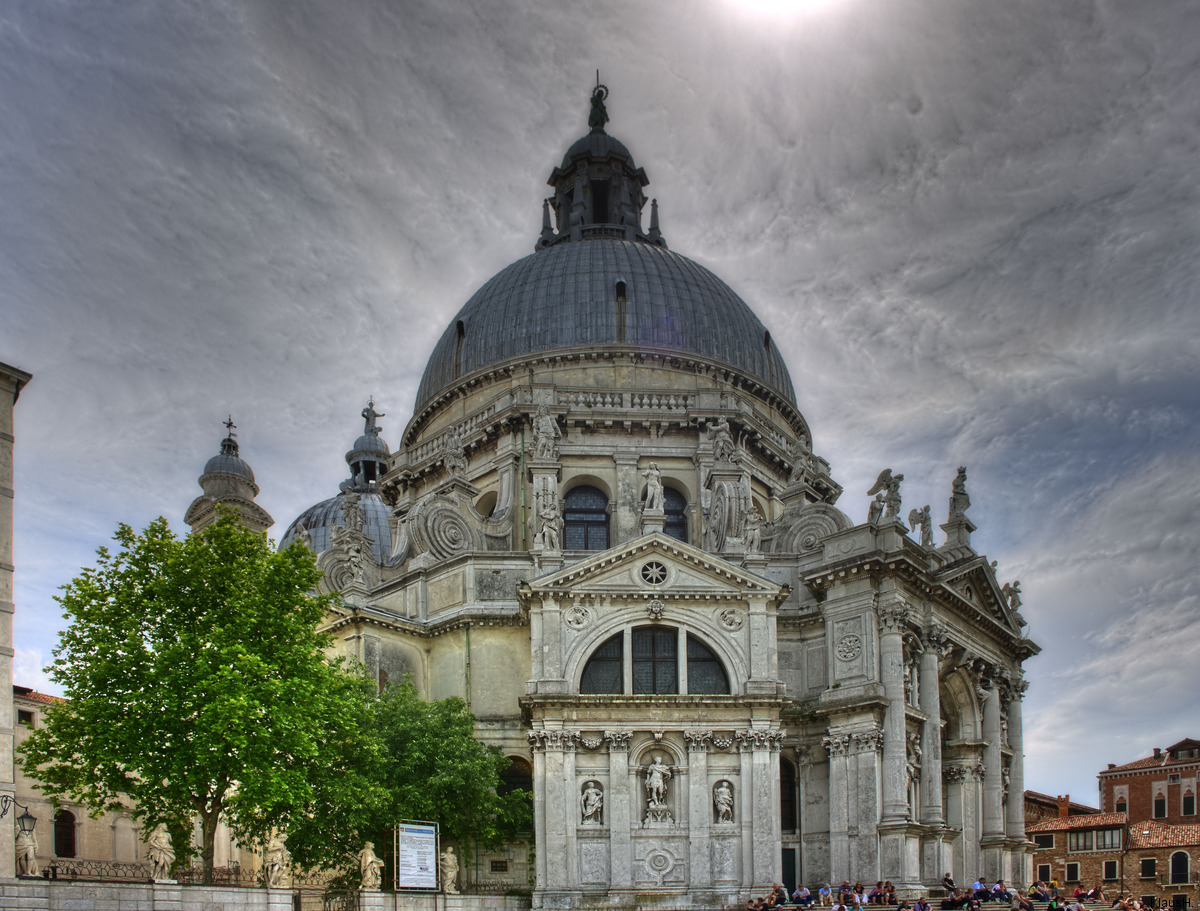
<point>688,570</point>
<point>974,583</point>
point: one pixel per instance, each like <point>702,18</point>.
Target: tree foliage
<point>198,686</point>
<point>437,770</point>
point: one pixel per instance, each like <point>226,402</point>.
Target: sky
<point>970,226</point>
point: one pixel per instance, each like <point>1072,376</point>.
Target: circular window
<point>654,573</point>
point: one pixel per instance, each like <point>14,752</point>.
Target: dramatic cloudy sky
<point>972,226</point>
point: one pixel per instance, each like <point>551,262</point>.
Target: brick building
<point>1144,841</point>
<point>1162,787</point>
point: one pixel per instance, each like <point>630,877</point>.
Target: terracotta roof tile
<point>24,692</point>
<point>1089,821</point>
<point>1163,835</point>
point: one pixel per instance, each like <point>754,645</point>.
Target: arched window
<point>64,834</point>
<point>1179,867</point>
<point>789,816</point>
<point>517,777</point>
<point>675,507</point>
<point>1121,805</point>
<point>585,519</point>
<point>654,668</point>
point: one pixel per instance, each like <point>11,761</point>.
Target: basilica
<point>607,527</point>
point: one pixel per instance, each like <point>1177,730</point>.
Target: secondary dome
<point>569,295</point>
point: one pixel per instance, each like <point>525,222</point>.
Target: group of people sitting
<point>970,898</point>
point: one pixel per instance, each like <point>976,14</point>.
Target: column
<point>892,618</point>
<point>993,784</point>
<point>619,804</point>
<point>1015,821</point>
<point>700,811</point>
<point>838,746</point>
<point>760,790</point>
<point>931,739</point>
<point>537,744</point>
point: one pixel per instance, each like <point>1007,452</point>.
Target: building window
<point>1043,873</point>
<point>675,507</point>
<point>654,661</point>
<point>655,665</point>
<point>1110,869</point>
<point>1108,839</point>
<point>25,717</point>
<point>789,818</point>
<point>1160,806</point>
<point>706,675</point>
<point>1179,867</point>
<point>1079,841</point>
<point>499,866</point>
<point>1189,804</point>
<point>1122,806</point>
<point>1044,841</point>
<point>602,673</point>
<point>64,834</point>
<point>1149,867</point>
<point>517,777</point>
<point>585,519</point>
<point>1072,873</point>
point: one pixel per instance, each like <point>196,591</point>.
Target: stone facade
<point>607,530</point>
<point>11,382</point>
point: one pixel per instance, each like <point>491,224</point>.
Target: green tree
<point>437,770</point>
<point>197,684</point>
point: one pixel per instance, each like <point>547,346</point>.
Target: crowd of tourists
<point>848,897</point>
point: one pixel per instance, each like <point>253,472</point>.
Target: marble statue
<point>889,486</point>
<point>591,804</point>
<point>752,533</point>
<point>453,454</point>
<point>920,518</point>
<point>960,500</point>
<point>371,868</point>
<point>370,415</point>
<point>27,847</point>
<point>1012,593</point>
<point>449,865</point>
<point>723,801</point>
<point>304,536</point>
<point>876,510</point>
<point>545,434</point>
<point>657,776</point>
<point>352,511</point>
<point>549,537</point>
<point>654,488</point>
<point>160,853</point>
<point>723,448</point>
<point>275,860</point>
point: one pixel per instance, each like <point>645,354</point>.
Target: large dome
<point>565,296</point>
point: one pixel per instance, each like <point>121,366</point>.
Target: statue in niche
<point>160,853</point>
<point>27,848</point>
<point>752,526</point>
<point>654,489</point>
<point>371,868</point>
<point>723,801</point>
<point>369,416</point>
<point>275,860</point>
<point>657,776</point>
<point>591,804</point>
<point>920,518</point>
<point>722,440</point>
<point>454,456</point>
<point>889,486</point>
<point>875,513</point>
<point>960,500</point>
<point>449,864</point>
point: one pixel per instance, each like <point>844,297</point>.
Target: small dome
<point>320,519</point>
<point>229,463</point>
<point>596,144</point>
<point>369,444</point>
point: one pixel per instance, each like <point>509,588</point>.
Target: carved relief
<point>893,617</point>
<point>618,741</point>
<point>732,618</point>
<point>867,741</point>
<point>655,609</point>
<point>848,647</point>
<point>836,744</point>
<point>759,740</point>
<point>698,741</point>
<point>577,616</point>
<point>802,532</point>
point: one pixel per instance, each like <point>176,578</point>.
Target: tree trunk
<point>208,836</point>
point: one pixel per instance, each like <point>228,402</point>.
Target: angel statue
<point>889,486</point>
<point>920,518</point>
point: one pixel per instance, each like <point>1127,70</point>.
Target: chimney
<point>1157,752</point>
<point>1064,806</point>
<point>1112,765</point>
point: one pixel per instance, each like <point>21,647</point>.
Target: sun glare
<point>778,7</point>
